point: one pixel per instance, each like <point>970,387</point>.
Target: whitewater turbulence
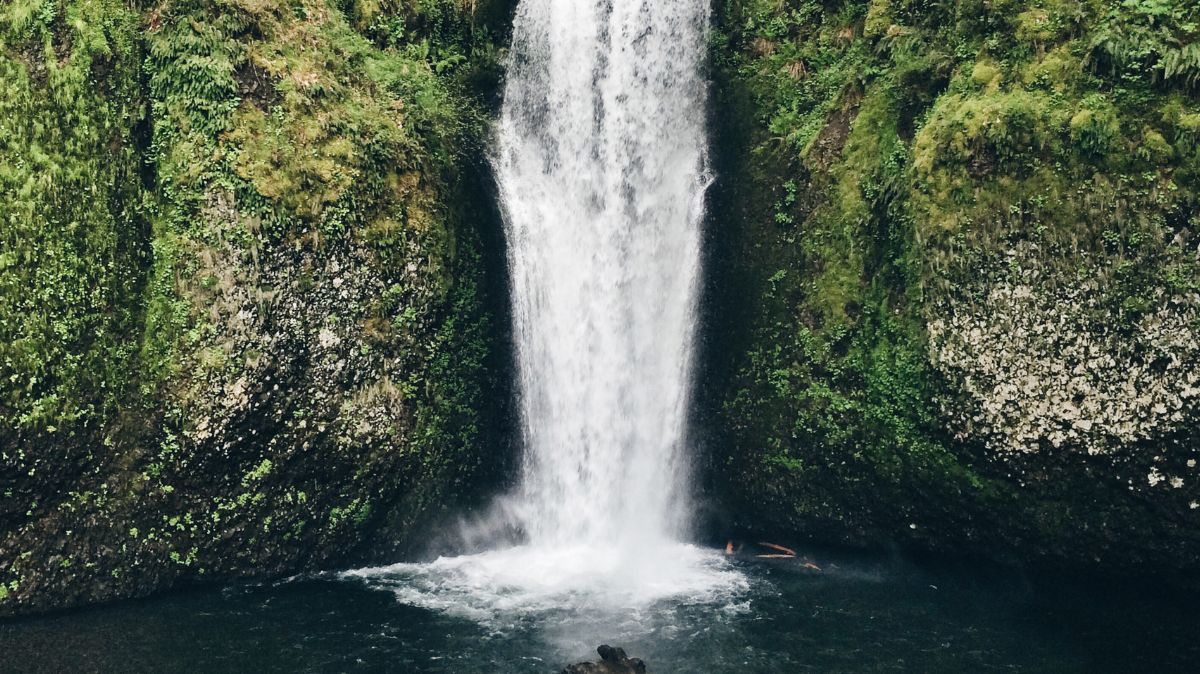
<point>600,162</point>
<point>601,171</point>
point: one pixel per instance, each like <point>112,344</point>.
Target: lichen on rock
<point>1038,363</point>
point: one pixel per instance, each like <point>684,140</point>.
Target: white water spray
<point>602,173</point>
<point>601,168</point>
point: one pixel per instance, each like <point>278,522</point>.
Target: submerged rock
<point>612,661</point>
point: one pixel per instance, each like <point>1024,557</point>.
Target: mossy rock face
<point>968,244</point>
<point>264,342</point>
<point>73,226</point>
<point>244,305</point>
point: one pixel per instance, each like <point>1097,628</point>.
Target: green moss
<point>939,138</point>
<point>985,74</point>
<point>71,217</point>
<point>224,146</point>
<point>1094,131</point>
<point>879,19</point>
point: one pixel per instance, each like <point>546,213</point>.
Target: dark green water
<point>855,616</point>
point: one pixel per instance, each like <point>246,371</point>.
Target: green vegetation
<point>917,155</point>
<point>245,323</point>
<point>72,213</point>
<point>242,315</point>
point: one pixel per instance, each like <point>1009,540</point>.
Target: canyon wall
<point>249,302</point>
<point>956,303</point>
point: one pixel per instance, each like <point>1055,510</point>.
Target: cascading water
<point>601,168</point>
<point>601,172</point>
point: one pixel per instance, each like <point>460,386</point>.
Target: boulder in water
<point>612,661</point>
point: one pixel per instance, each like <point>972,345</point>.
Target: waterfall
<point>601,167</point>
<point>600,160</point>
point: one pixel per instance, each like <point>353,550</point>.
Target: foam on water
<point>499,586</point>
<point>575,597</point>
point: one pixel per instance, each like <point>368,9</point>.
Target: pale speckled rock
<point>1039,363</point>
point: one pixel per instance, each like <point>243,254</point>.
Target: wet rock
<point>612,661</point>
<point>1034,361</point>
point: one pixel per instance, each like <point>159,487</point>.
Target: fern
<point>1151,36</point>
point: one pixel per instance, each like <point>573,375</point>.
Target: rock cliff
<point>955,300</point>
<point>250,318</point>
